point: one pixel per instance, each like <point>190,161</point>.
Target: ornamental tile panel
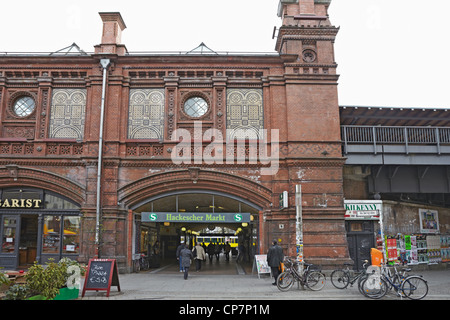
<point>245,113</point>
<point>146,114</point>
<point>67,114</point>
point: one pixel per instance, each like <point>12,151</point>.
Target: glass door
<point>28,240</point>
<point>9,241</point>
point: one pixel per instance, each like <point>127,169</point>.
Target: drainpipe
<point>104,63</point>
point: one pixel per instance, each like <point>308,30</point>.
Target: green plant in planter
<point>47,280</point>
<point>4,279</point>
<point>17,292</point>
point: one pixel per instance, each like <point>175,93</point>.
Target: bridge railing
<point>406,136</point>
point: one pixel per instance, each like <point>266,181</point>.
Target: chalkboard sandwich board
<point>101,275</point>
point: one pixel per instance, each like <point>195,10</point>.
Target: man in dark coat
<point>185,258</point>
<point>274,258</point>
<point>179,248</point>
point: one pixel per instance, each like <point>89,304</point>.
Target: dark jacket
<point>275,256</point>
<point>186,256</point>
<point>179,248</point>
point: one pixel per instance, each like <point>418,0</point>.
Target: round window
<point>195,107</point>
<point>24,106</point>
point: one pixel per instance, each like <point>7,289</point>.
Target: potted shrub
<point>71,269</point>
<point>50,282</point>
<point>17,292</point>
<point>4,284</point>
<point>45,281</point>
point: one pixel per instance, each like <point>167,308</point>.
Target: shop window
<point>59,203</point>
<point>71,234</point>
<point>51,235</point>
<point>9,234</point>
<point>20,194</point>
<point>51,240</point>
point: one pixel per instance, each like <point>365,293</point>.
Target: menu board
<point>101,275</point>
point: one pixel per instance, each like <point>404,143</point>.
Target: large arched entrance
<point>196,206</point>
<point>208,217</point>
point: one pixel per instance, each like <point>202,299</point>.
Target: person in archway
<point>210,251</point>
<point>274,258</point>
<point>199,256</point>
<point>179,248</point>
<point>157,254</point>
<point>241,253</point>
<point>185,257</point>
<point>217,250</point>
<point>227,250</point>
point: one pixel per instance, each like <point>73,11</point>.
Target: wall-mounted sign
<point>196,217</point>
<point>284,200</point>
<point>363,209</point>
<point>21,203</point>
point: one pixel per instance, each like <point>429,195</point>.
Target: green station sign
<point>197,217</point>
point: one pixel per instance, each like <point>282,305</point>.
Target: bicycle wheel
<point>285,281</point>
<point>361,278</point>
<point>414,288</point>
<point>373,288</point>
<point>315,280</point>
<point>340,279</point>
<point>137,266</point>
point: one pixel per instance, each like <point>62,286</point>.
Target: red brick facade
<point>299,94</point>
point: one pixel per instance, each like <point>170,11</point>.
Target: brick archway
<point>194,178</point>
<point>16,176</point>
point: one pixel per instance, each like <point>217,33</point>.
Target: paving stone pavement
<point>232,281</point>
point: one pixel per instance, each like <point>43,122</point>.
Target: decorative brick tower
<point>314,159</point>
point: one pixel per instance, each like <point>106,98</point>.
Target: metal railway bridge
<point>404,153</point>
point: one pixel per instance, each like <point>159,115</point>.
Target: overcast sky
<point>389,52</point>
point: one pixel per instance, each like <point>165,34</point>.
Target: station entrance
<point>211,219</point>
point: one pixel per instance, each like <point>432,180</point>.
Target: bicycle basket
<point>288,263</point>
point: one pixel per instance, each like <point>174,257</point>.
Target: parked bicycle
<point>376,286</point>
<point>140,262</point>
<point>144,262</point>
<point>342,278</point>
<point>311,276</point>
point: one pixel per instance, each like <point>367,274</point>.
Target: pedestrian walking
<point>227,250</point>
<point>241,253</point>
<point>186,257</point>
<point>199,256</point>
<point>274,258</point>
<point>217,250</point>
<point>179,248</point>
<point>210,251</point>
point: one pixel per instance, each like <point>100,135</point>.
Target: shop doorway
<point>28,240</point>
<point>360,238</point>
